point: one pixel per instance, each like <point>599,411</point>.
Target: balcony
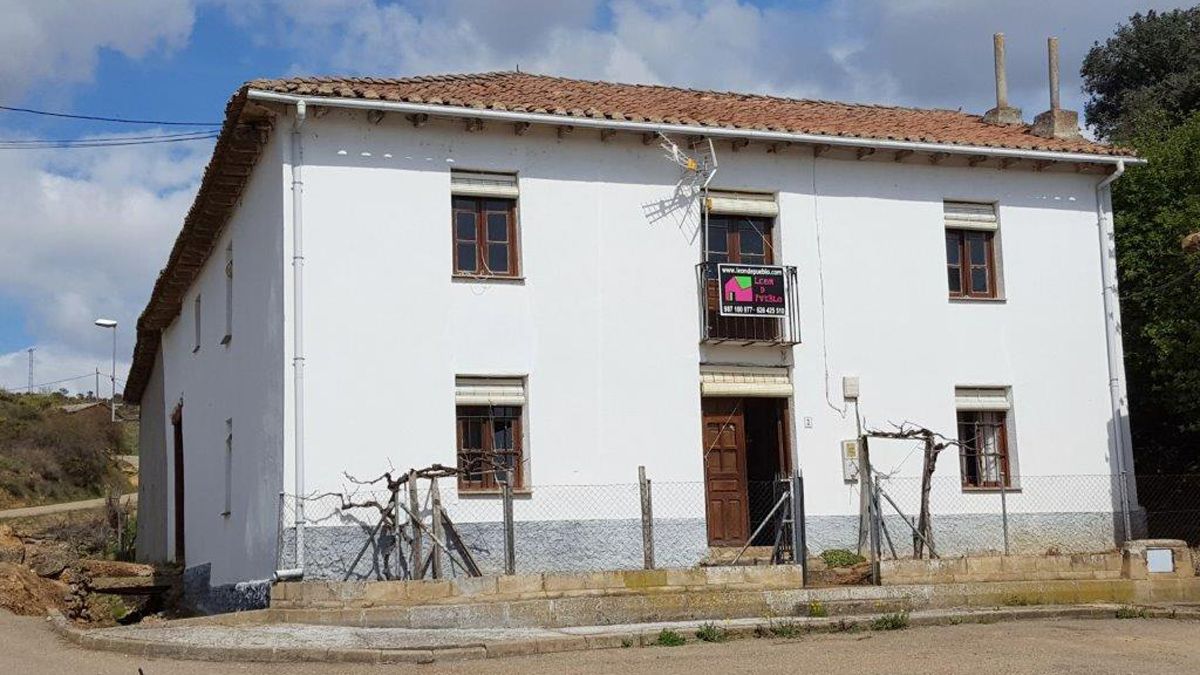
<point>752,329</point>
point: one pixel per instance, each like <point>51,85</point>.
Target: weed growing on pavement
<point>894,621</point>
<point>711,632</point>
<point>669,638</point>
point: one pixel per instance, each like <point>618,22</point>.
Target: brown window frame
<point>959,238</point>
<point>487,477</point>
<point>479,208</point>
<point>970,451</point>
<point>733,239</point>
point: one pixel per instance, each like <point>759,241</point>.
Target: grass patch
<point>1130,612</point>
<point>779,629</point>
<point>840,557</point>
<point>816,608</point>
<point>626,643</point>
<point>669,638</point>
<point>893,621</point>
<point>711,632</point>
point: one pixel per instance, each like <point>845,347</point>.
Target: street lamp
<point>109,323</point>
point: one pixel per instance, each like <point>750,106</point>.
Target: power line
<point>117,120</point>
<point>29,141</point>
<point>103,143</point>
<point>46,384</point>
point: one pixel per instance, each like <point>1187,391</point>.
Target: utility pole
<point>96,391</point>
<point>29,387</point>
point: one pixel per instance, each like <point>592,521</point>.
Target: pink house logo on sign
<point>738,289</point>
<point>752,291</point>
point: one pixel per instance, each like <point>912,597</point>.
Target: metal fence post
<point>876,526</point>
<point>799,540</point>
<point>1125,505</point>
<point>397,509</point>
<point>510,552</point>
<point>647,519</point>
<point>435,501</point>
<point>414,507</point>
<point>1004,505</point>
<point>279,538</point>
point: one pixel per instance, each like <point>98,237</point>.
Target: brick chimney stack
<point>1056,122</point>
<point>1003,113</point>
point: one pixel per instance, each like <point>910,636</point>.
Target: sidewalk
<point>206,640</point>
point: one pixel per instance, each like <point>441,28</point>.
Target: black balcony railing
<point>717,329</point>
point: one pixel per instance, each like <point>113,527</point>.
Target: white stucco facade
<point>604,322</point>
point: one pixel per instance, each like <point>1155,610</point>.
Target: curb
<point>647,636</point>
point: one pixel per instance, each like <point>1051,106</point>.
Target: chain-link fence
<point>577,528</point>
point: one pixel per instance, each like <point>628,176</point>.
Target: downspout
<point>1112,336</point>
<point>297,161</point>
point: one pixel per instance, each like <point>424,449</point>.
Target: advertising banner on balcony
<point>752,291</point>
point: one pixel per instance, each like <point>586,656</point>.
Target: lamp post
<point>109,323</point>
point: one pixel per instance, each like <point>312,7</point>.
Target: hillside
<point>52,451</point>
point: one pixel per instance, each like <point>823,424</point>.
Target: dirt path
<point>1067,646</point>
<point>65,507</point>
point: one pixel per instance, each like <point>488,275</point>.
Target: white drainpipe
<point>1112,336</point>
<point>297,161</point>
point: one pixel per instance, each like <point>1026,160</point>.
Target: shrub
<point>711,632</point>
<point>669,638</point>
<point>817,608</point>
<point>894,621</point>
<point>1131,612</point>
<point>840,557</point>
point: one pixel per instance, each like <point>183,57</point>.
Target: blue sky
<point>84,232</point>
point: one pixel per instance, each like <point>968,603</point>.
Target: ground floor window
<point>489,444</point>
<point>984,450</point>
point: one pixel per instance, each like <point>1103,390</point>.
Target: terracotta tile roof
<point>246,128</point>
<point>523,92</point>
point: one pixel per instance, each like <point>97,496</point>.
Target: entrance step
<point>723,556</point>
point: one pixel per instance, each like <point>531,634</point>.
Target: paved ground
<point>27,645</point>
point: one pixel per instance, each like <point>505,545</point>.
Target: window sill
<point>490,493</point>
<point>967,301</point>
<point>471,279</point>
<point>990,490</point>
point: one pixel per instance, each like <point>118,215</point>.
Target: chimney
<point>1056,122</point>
<point>1003,113</point>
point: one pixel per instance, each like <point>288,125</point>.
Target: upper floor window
<point>971,249</point>
<point>484,207</point>
<point>490,436</point>
<point>228,295</point>
<point>740,228</point>
<point>983,424</point>
<point>196,315</point>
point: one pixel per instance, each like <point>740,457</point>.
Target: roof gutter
<point>658,127</point>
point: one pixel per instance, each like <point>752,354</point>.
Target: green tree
<point>1156,205</point>
<point>1146,76</point>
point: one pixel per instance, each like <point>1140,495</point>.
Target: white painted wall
<point>153,479</point>
<point>613,379</point>
<point>242,381</point>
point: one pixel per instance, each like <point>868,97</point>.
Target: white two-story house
<point>574,279</point>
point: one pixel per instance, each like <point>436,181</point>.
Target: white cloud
<point>85,234</point>
<point>934,53</point>
<point>57,41</point>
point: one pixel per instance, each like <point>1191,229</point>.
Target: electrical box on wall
<point>850,461</point>
<point>850,387</point>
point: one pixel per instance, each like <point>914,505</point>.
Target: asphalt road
<point>1066,646</point>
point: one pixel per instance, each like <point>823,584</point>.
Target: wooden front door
<point>725,472</point>
<point>177,428</point>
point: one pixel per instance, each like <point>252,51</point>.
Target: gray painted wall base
<point>348,552</point>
